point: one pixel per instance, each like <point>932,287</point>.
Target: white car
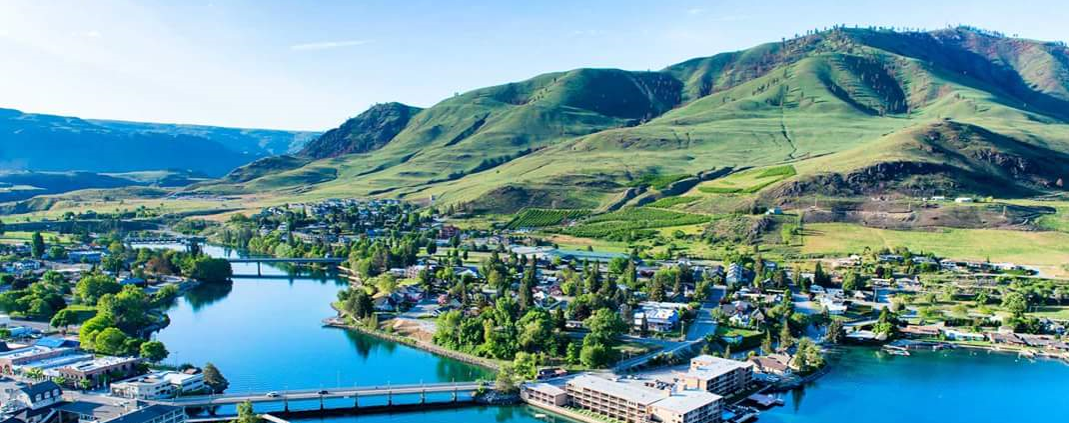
<point>272,394</point>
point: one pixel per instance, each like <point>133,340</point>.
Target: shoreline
<point>339,321</point>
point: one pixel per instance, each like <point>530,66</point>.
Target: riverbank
<point>343,321</point>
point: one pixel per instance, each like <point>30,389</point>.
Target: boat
<point>898,352</point>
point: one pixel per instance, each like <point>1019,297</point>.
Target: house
<point>957,335</point>
<point>39,395</point>
<point>656,319</point>
<point>961,200</point>
<point>775,364</point>
<point>918,331</point>
<point>736,274</point>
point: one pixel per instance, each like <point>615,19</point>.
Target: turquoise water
<point>266,334</point>
<point>953,386</point>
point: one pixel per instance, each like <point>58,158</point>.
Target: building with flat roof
<point>545,393</point>
<point>157,413</point>
<point>720,376</point>
<point>158,385</point>
<point>634,402</point>
<point>20,356</point>
<point>97,369</point>
<point>687,407</point>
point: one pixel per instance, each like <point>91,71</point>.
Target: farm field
<point>1046,249</point>
<point>624,224</point>
<point>748,182</point>
<point>538,218</point>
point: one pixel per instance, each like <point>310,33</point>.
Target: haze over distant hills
<point>854,112</point>
<point>38,142</point>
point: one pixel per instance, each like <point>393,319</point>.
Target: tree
<point>853,281</point>
<point>808,356</point>
<point>535,330</point>
<point>64,318</point>
<point>605,325</point>
<point>1015,303</point>
<point>820,277</point>
<point>526,365</point>
<point>110,341</point>
<point>506,381</point>
<point>594,354</point>
<point>154,351</point>
<point>786,340</point>
<point>766,344</point>
<point>90,288</point>
<point>37,245</point>
<point>573,353</point>
<point>214,379</point>
<point>833,332</point>
<point>212,270</point>
<point>246,414</point>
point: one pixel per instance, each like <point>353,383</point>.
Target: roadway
<point>314,394</point>
<point>286,260</point>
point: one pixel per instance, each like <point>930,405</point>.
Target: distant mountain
<point>851,113</point>
<point>38,142</point>
<point>20,185</point>
<point>366,132</point>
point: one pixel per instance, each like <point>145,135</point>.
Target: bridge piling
<point>356,400</point>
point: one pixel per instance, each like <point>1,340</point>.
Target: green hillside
<point>956,111</point>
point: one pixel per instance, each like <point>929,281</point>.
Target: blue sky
<point>311,64</point>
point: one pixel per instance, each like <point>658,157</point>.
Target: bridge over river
<point>353,393</point>
<point>278,260</point>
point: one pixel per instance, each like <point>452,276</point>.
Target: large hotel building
<point>692,397</point>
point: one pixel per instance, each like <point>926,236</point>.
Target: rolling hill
<point>850,113</point>
<point>47,143</point>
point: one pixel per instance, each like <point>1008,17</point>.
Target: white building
<point>158,385</point>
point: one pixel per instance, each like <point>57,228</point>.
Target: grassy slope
<point>840,94</point>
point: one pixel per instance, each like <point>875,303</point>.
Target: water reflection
<point>207,294</point>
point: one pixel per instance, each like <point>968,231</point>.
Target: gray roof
<point>40,388</point>
<point>684,402</point>
<point>146,414</point>
<point>630,392</point>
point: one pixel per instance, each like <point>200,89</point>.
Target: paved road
<point>704,324</point>
<point>304,394</point>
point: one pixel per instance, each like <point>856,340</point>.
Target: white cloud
<point>326,45</point>
<point>92,34</point>
<point>695,11</point>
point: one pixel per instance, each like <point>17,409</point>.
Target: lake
<point>266,334</point>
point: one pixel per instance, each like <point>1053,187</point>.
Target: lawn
<point>749,181</point>
<point>1047,249</point>
<point>20,237</point>
<point>1052,312</point>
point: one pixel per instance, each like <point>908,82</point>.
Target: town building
<point>156,413</point>
<point>545,393</point>
<point>720,376</point>
<point>39,395</point>
<point>95,371</point>
<point>158,385</point>
<point>20,356</point>
<point>634,402</point>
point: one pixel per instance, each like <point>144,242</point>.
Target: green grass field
<point>1049,249</point>
<point>537,218</point>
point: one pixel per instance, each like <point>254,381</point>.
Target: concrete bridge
<point>294,260</point>
<point>353,393</point>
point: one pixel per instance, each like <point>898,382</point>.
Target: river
<point>265,334</point>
